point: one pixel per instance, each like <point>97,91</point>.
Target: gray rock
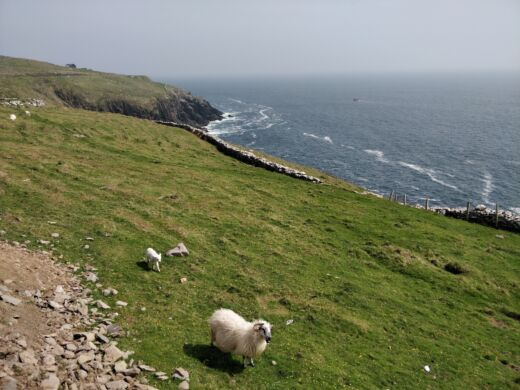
<point>109,291</point>
<point>102,305</point>
<point>179,250</point>
<point>8,383</point>
<point>112,354</point>
<point>9,299</point>
<point>120,366</point>
<point>121,303</point>
<point>91,277</point>
<point>133,372</point>
<point>27,356</point>
<point>144,367</point>
<point>113,330</point>
<point>181,373</point>
<point>116,385</point>
<point>51,383</point>
<point>184,385</point>
<point>21,342</point>
<point>48,360</point>
<point>55,235</point>
<point>102,338</point>
<point>85,357</point>
<point>55,305</point>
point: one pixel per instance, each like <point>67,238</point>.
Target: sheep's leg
<point>252,362</point>
<point>158,269</point>
<point>245,362</point>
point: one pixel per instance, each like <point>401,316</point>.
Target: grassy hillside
<point>99,91</point>
<point>362,278</point>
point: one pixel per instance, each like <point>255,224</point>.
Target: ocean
<point>451,138</point>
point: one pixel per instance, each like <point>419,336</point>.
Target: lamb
<point>153,257</point>
<point>231,333</point>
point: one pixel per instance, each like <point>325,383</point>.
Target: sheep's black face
<point>265,330</point>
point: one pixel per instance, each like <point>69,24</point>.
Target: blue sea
<point>449,137</point>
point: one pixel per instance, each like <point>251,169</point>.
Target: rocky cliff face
<point>138,96</point>
<point>180,107</point>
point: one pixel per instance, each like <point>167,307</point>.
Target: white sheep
<point>153,257</point>
<point>231,333</point>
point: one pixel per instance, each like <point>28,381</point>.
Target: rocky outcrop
<point>175,107</point>
<point>243,155</point>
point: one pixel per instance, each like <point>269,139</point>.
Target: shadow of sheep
<point>213,358</point>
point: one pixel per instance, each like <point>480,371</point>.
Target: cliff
<point>24,80</point>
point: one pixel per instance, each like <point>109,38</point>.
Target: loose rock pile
<point>80,351</point>
<point>242,155</point>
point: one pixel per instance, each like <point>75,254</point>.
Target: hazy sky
<point>240,37</point>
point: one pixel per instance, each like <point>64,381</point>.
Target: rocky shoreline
<point>242,155</point>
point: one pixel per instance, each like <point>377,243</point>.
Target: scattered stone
<point>144,367</point>
<point>85,357</point>
<point>9,299</point>
<point>21,342</point>
<point>91,277</point>
<point>133,372</point>
<point>86,246</point>
<point>102,305</point>
<point>51,383</point>
<point>162,376</point>
<point>500,236</point>
<point>184,280</point>
<point>184,385</point>
<point>89,239</point>
<point>179,250</point>
<point>289,322</point>
<point>102,338</point>
<point>143,308</point>
<point>109,291</point>
<point>121,303</point>
<point>181,373</point>
<point>27,356</point>
<point>273,362</point>
<point>426,369</point>
<point>2,232</point>
<point>8,383</point>
<point>44,242</point>
<point>116,385</point>
<point>12,117</point>
<point>120,366</point>
<point>114,330</point>
<point>55,235</point>
<point>112,354</point>
<point>54,305</point>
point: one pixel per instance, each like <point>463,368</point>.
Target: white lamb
<point>153,257</point>
<point>231,333</point>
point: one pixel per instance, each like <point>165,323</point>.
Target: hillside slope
<point>365,280</point>
<point>82,88</point>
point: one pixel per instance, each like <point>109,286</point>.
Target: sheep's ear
<point>257,327</point>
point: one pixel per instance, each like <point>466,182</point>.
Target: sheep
<point>231,333</point>
<point>151,256</point>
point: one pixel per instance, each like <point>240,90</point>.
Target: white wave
<point>380,156</point>
<point>428,172</point>
<point>488,187</point>
<point>515,210</point>
<point>326,138</point>
<point>237,101</point>
<point>253,135</point>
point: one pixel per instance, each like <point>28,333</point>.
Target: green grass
<point>363,278</point>
<point>25,79</point>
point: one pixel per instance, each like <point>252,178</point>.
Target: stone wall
<point>243,155</point>
<point>484,216</point>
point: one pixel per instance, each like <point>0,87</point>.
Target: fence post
<point>391,195</point>
<point>467,211</point>
<point>427,203</point>
<point>405,199</point>
<point>496,216</point>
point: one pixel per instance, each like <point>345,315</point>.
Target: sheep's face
<point>264,330</point>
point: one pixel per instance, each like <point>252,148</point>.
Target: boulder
<point>179,250</point>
